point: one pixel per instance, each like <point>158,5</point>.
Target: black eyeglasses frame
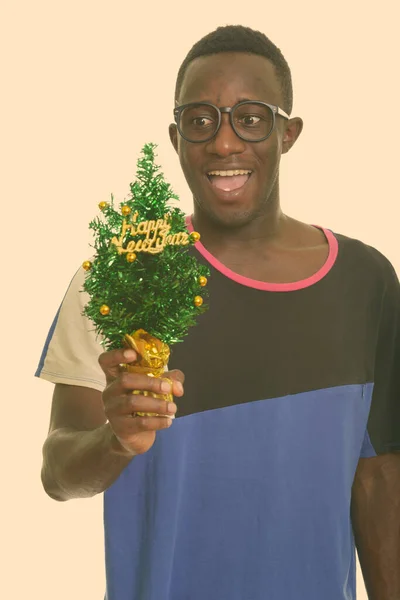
<point>276,111</point>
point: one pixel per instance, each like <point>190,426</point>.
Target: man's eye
<point>201,122</point>
<point>250,120</point>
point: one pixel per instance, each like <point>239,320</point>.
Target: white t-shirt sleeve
<point>70,354</point>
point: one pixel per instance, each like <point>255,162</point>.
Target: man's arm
<point>93,437</point>
<point>375,513</point>
<point>79,454</point>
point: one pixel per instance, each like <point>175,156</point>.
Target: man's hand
<point>134,434</point>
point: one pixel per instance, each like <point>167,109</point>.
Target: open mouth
<point>228,181</point>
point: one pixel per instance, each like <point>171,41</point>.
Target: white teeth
<point>229,173</point>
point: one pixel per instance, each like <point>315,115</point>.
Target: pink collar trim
<point>272,287</point>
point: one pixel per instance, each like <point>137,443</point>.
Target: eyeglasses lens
<point>199,122</point>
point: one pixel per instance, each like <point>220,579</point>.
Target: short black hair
<point>237,38</point>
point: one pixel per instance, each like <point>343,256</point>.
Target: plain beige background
<point>84,85</point>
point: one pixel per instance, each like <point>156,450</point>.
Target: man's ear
<point>173,135</point>
<point>293,129</point>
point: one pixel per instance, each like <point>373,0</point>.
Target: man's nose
<point>226,141</point>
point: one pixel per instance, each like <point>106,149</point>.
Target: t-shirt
<point>247,496</point>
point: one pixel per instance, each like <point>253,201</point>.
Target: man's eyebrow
<point>209,101</point>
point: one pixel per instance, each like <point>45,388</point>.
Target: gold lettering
<point>184,239</point>
<point>118,243</point>
<point>142,228</point>
<point>160,244</point>
<point>152,244</point>
<point>127,227</point>
<point>150,248</point>
<point>163,225</point>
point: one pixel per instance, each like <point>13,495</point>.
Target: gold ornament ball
<point>195,236</point>
<point>198,301</point>
<point>103,205</point>
<point>130,257</point>
<point>126,210</point>
<point>202,281</point>
<point>105,310</point>
<point>87,265</point>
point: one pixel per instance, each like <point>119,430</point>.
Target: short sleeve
<point>72,348</point>
<point>383,428</point>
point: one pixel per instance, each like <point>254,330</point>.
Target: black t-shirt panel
<point>257,345</point>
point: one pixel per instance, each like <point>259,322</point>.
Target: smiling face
<point>224,80</point>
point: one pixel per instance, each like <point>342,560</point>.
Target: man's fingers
<point>151,423</point>
<point>127,382</point>
<point>110,361</point>
<point>175,374</point>
<point>178,379</point>
<point>126,429</point>
<point>127,405</point>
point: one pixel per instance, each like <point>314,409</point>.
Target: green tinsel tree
<point>161,293</point>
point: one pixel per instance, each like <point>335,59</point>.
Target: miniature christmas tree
<point>145,286</point>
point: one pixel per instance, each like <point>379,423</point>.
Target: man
<point>286,441</point>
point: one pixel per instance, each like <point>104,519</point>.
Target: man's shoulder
<point>358,254</point>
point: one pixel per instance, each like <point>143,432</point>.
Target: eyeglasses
<point>252,121</point>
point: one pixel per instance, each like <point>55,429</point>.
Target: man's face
<point>224,80</point>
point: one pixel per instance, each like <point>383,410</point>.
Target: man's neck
<point>263,231</point>
<point>273,248</point>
